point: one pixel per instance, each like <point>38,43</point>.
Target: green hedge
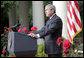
<point>40,51</point>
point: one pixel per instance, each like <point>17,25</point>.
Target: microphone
<point>15,27</point>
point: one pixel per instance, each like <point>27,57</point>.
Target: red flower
<point>66,44</point>
<point>9,29</point>
<point>19,30</point>
<point>25,29</point>
<point>59,40</point>
<point>64,53</point>
<point>29,32</point>
<point>34,28</point>
<point>64,48</point>
<point>3,51</point>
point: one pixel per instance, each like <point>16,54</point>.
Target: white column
<point>61,11</point>
<point>38,16</point>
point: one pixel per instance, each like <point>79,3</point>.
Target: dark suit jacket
<point>51,31</point>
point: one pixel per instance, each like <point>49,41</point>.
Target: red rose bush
<point>66,45</point>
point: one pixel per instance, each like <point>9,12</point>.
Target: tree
<point>9,7</point>
<point>12,16</point>
<point>23,14</point>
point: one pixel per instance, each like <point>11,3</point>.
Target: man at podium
<point>51,31</point>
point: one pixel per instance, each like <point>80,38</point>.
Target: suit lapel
<point>49,20</point>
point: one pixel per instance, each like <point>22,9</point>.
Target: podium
<point>20,44</point>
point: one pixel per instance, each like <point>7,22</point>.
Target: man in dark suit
<point>51,31</point>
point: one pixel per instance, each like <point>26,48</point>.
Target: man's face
<point>48,11</point>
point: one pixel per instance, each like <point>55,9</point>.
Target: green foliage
<point>80,3</point>
<point>4,41</point>
<point>30,13</point>
<point>2,55</point>
<point>8,5</point>
<point>71,52</point>
<point>47,2</point>
<point>9,55</point>
<point>40,51</point>
<point>63,38</point>
<point>4,3</point>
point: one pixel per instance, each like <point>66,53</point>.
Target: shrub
<point>40,51</point>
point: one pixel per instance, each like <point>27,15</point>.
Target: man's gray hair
<point>52,7</point>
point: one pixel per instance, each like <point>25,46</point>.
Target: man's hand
<point>33,35</point>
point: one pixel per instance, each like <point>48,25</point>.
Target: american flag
<point>73,20</point>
